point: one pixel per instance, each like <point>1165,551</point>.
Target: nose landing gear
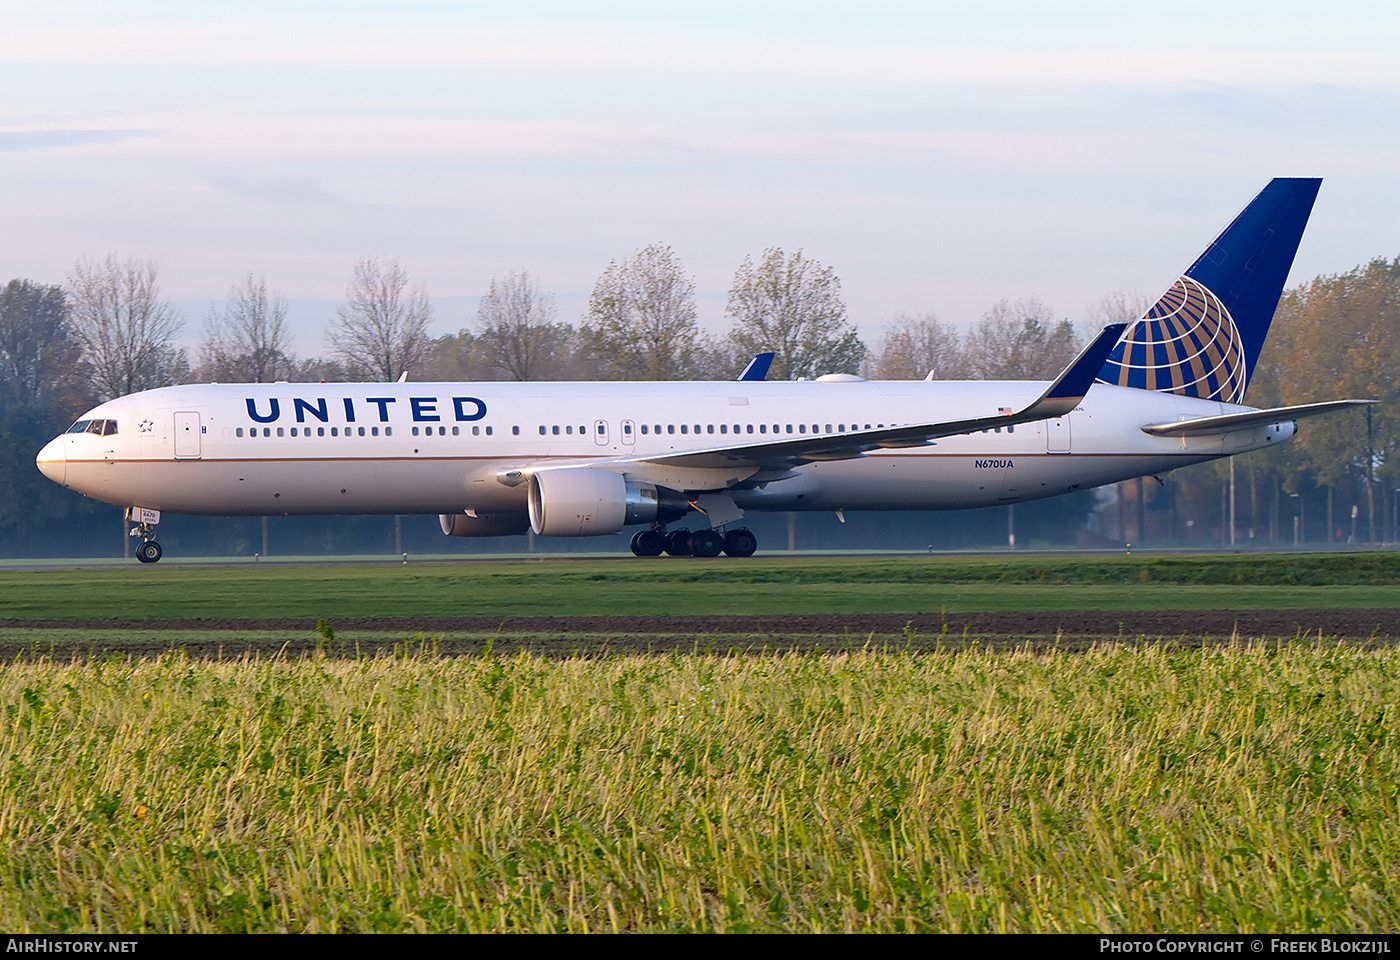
<point>148,551</point>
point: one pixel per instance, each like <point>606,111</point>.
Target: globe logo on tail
<point>1187,344</point>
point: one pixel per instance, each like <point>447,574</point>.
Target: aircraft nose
<point>52,461</point>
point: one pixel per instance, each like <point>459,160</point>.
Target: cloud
<point>279,189</point>
<point>14,141</point>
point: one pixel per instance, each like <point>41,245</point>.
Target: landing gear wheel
<point>148,552</point>
<point>678,543</point>
<point>647,543</point>
<point>706,543</point>
<point>740,543</point>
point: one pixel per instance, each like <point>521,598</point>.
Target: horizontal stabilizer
<point>1233,421</point>
<point>1071,386</point>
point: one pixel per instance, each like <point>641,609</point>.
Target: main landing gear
<point>699,543</point>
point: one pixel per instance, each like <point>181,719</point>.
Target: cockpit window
<point>103,428</point>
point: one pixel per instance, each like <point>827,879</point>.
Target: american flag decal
<point>1004,411</point>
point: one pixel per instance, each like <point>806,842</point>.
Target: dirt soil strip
<point>1377,623</point>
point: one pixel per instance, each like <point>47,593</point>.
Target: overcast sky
<point>938,156</point>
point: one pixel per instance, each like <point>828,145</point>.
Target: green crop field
<point>1249,783</point>
<point>688,586</point>
<point>1153,789</point>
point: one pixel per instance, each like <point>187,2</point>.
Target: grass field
<point>1238,788</point>
<point>687,586</point>
<point>1242,785</point>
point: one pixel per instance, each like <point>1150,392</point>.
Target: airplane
<point>590,459</point>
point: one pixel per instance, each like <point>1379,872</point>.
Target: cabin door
<point>1057,435</point>
<point>187,431</point>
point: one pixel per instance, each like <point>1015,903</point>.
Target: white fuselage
<point>321,448</point>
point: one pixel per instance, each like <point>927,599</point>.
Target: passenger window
<point>543,430</point>
<point>294,431</point>
<point>644,429</point>
<point>802,428</point>
<point>388,431</point>
<point>683,428</point>
<point>321,431</point>
<point>670,428</point>
<point>569,430</point>
<point>374,431</point>
<point>488,431</point>
<point>335,431</point>
<point>515,431</point>
<point>362,431</point>
<point>415,431</point>
<point>238,431</point>
<point>476,431</point>
<point>456,431</point>
<point>267,431</point>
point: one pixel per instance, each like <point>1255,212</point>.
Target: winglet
<point>758,367</point>
<point>1070,387</point>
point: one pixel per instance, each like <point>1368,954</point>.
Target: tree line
<point>107,331</point>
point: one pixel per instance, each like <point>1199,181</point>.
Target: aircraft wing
<point>1224,423</point>
<point>758,367</point>
<point>1062,396</point>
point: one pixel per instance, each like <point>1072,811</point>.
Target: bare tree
<point>1020,340</point>
<point>1118,306</point>
<point>249,341</point>
<point>920,346</point>
<point>641,318</point>
<point>382,331</point>
<point>792,306</point>
<point>519,339</point>
<point>125,328</point>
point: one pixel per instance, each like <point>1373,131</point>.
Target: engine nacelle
<point>581,502</point>
<point>483,524</point>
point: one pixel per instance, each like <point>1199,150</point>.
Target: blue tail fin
<point>1203,337</point>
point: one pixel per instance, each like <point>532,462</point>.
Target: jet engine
<point>483,524</point>
<point>581,502</point>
